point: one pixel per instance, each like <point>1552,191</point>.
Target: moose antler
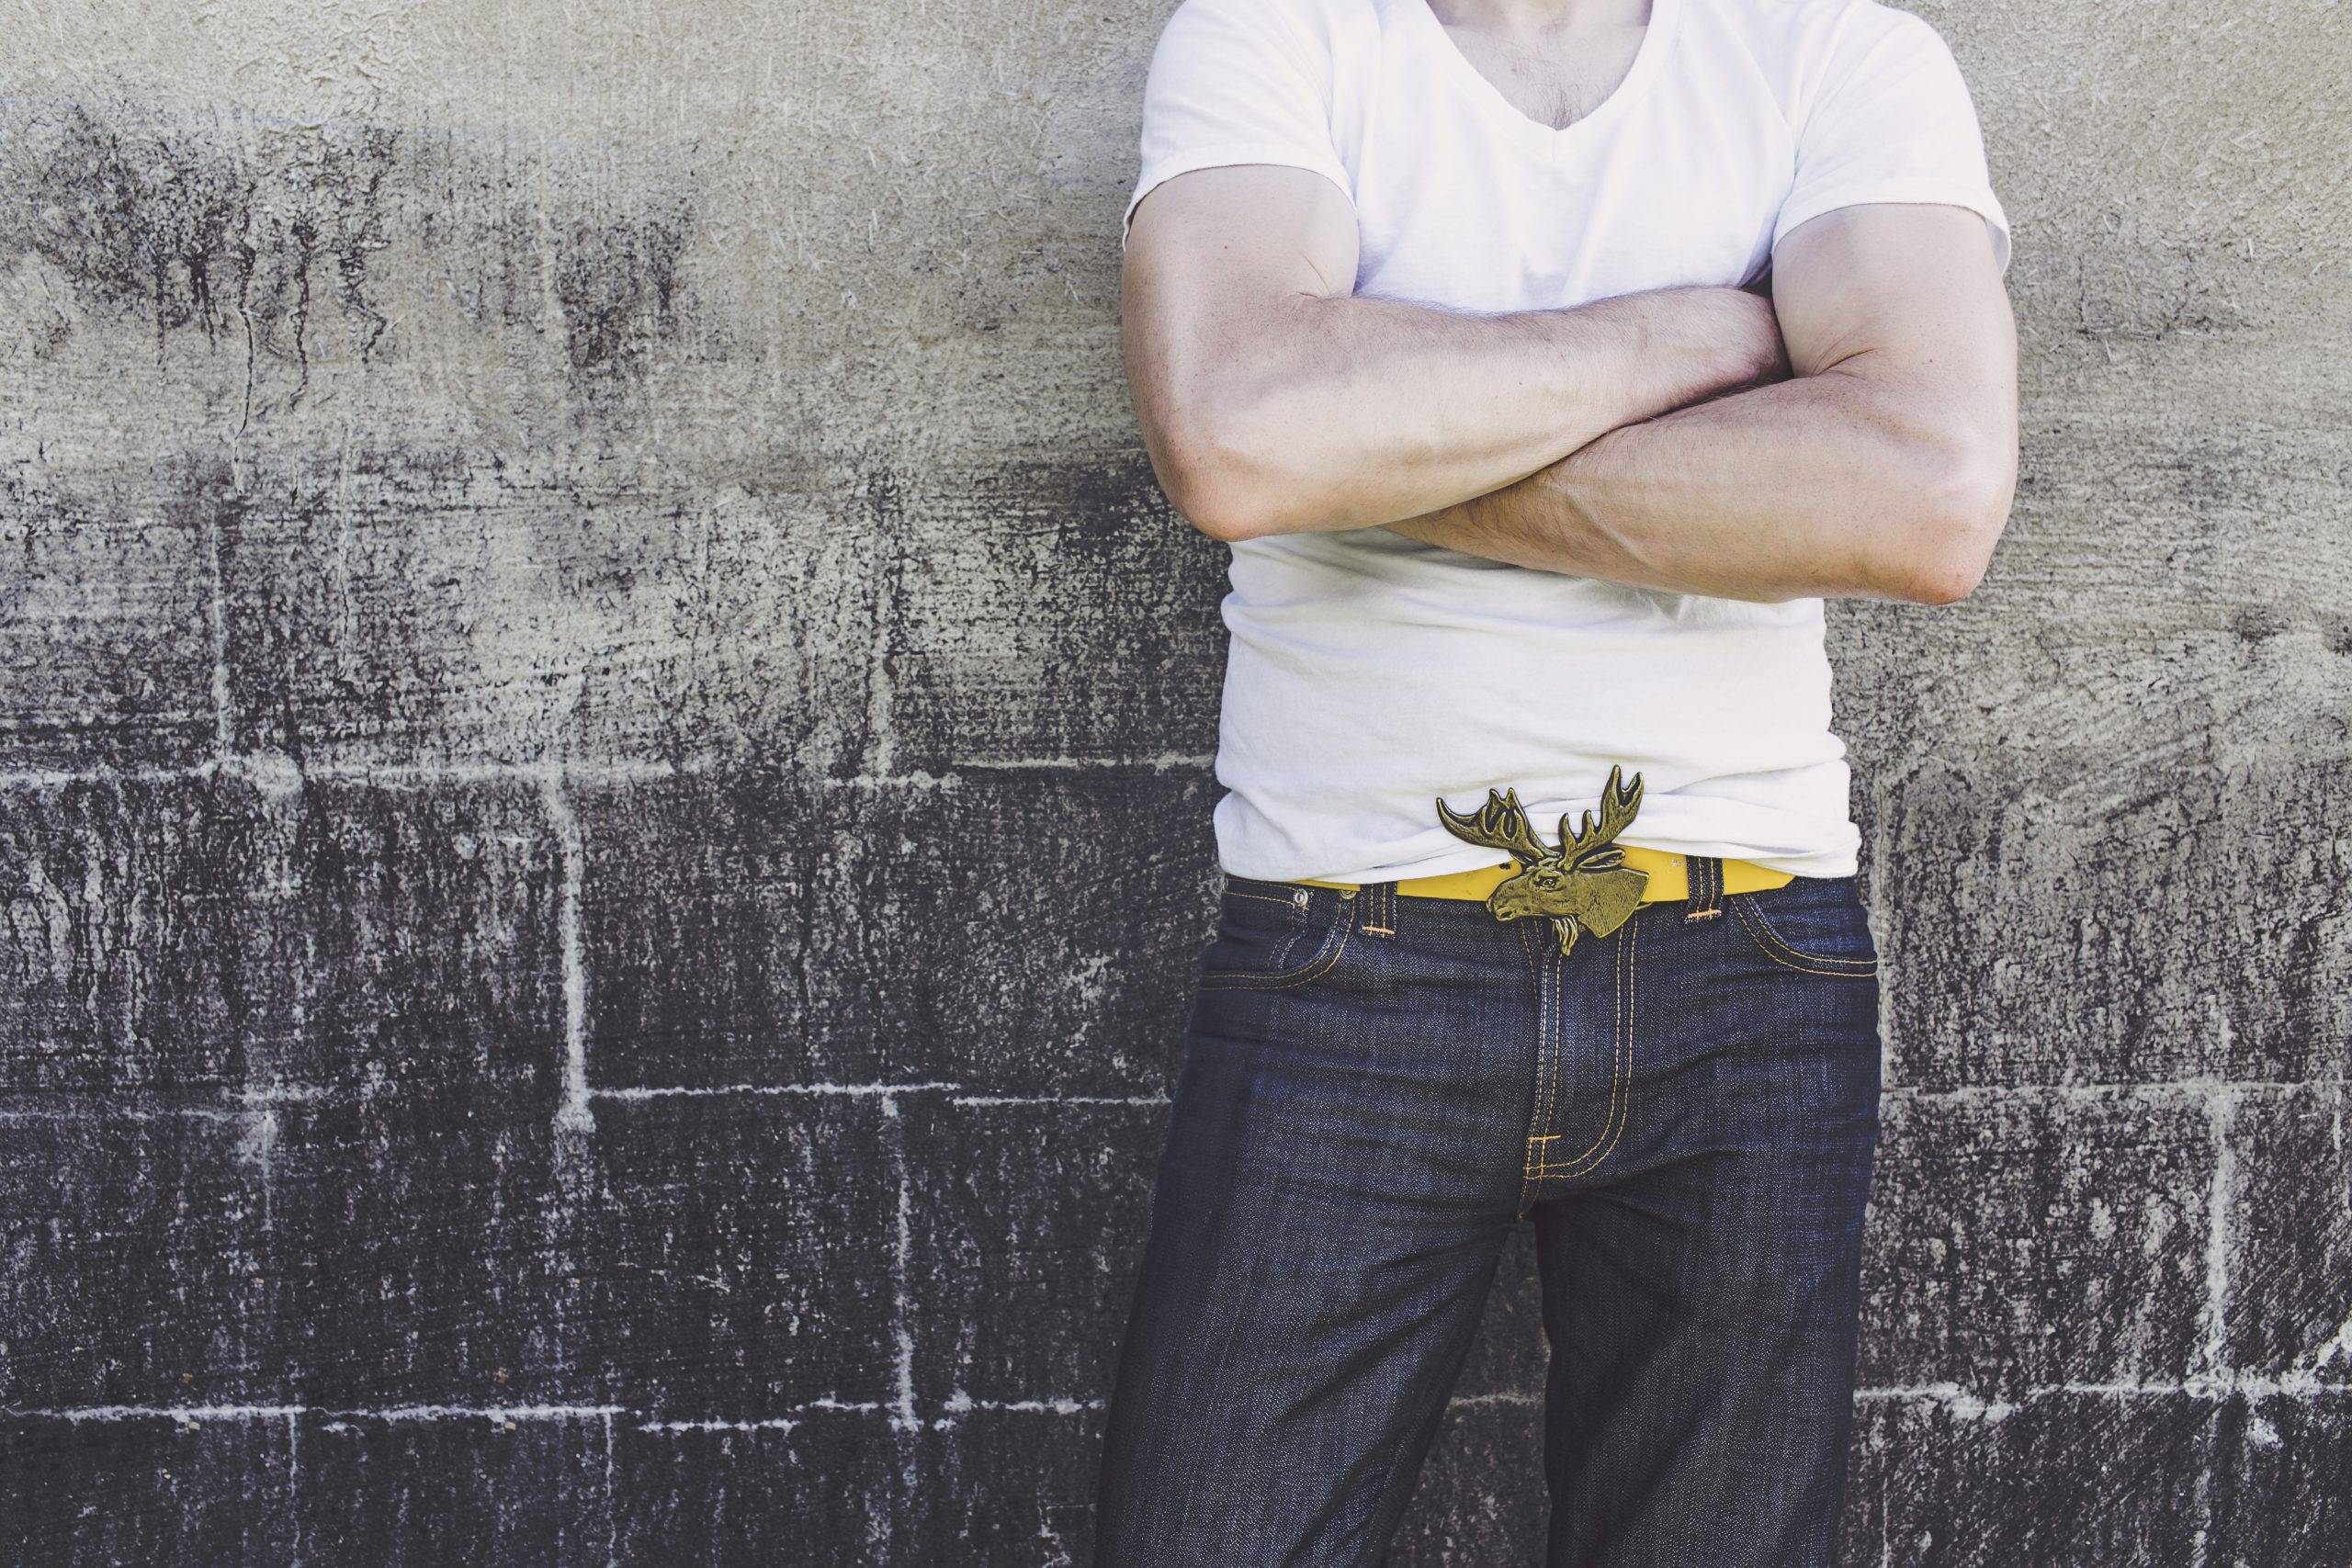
<point>1502,824</point>
<point>1592,848</point>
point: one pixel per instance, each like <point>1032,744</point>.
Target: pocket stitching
<point>1769,943</point>
<point>1335,942</point>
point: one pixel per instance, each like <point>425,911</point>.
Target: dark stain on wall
<point>132,215</point>
<point>261,237</point>
<point>618,286</point>
<point>123,676</point>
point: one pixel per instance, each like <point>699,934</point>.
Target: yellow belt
<point>1669,878</point>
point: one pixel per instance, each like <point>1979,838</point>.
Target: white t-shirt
<point>1370,673</point>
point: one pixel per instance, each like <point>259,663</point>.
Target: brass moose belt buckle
<point>1582,883</point>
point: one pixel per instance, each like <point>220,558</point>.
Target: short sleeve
<point>1237,82</point>
<point>1889,120</point>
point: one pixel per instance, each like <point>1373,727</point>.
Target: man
<point>1545,364</point>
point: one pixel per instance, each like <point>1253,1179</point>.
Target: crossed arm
<point>1854,435</point>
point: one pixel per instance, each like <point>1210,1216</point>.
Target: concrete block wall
<point>603,789</point>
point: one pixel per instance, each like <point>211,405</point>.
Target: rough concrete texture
<point>604,801</point>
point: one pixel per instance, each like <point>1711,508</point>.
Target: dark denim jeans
<point>1377,1089</point>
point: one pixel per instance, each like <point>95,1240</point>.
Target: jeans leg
<point>1338,1181</point>
<point>1701,1298</point>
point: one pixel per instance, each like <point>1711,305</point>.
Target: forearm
<point>1335,413</point>
<point>1884,469</point>
<point>1837,484</point>
<point>1273,399</point>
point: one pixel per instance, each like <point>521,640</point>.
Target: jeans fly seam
<point>1547,1046</point>
<point>1535,1112</point>
<point>1620,1057</point>
<point>1555,990</point>
<point>1570,1166</point>
<point>1622,1071</point>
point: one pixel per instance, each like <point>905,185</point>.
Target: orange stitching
<point>1535,978</point>
<point>1618,1095</point>
<point>1321,963</point>
<point>1831,974</point>
<point>1620,1066</point>
<point>1284,944</point>
<point>1705,904</point>
<point>1819,957</point>
<point>1546,997</point>
<point>1764,923</point>
<point>1769,941</point>
<point>1557,999</point>
<point>1261,897</point>
<point>1616,1051</point>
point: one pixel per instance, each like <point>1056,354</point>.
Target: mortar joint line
<point>904,1417</point>
<point>2221,1120</point>
<point>277,770</point>
<point>899,1411</point>
<point>575,1113</point>
<point>224,728</point>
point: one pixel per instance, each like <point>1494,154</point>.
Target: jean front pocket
<point>1817,925</point>
<point>1271,934</point>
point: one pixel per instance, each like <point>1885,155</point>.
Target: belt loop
<point>1380,910</point>
<point>1706,888</point>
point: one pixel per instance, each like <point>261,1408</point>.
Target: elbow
<point>1218,483</point>
<point>1221,502</point>
<point>1227,474</point>
<point>1960,501</point>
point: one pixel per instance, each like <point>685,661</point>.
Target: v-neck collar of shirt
<point>1658,43</point>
